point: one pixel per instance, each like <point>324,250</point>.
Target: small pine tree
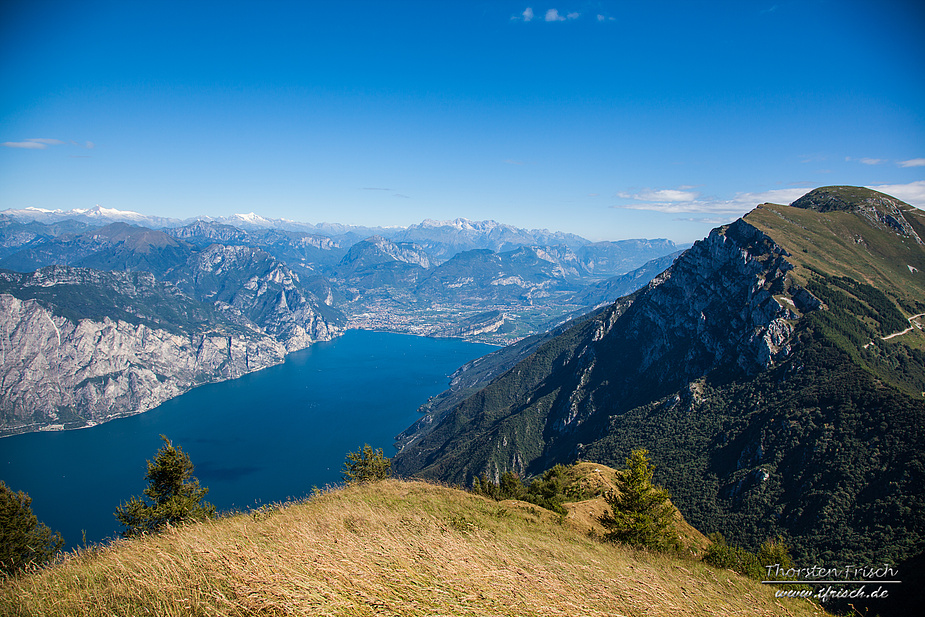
<point>23,539</point>
<point>366,465</point>
<point>174,494</point>
<point>641,514</point>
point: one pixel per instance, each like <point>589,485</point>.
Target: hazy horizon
<point>602,119</point>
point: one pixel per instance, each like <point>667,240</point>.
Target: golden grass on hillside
<point>389,548</point>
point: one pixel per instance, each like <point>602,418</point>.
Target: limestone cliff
<point>81,346</point>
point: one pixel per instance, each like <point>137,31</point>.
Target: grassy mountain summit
<point>387,548</point>
<point>862,234</point>
<point>775,372</point>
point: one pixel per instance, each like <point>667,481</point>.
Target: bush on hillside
<point>366,465</point>
<point>754,565</point>
<point>174,495</point>
<point>547,491</point>
<point>23,539</point>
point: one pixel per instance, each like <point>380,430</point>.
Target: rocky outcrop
<point>249,284</point>
<point>725,305</point>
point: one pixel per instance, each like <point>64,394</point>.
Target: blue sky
<point>611,120</point>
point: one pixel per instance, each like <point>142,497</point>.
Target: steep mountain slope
<point>768,387</point>
<point>241,280</point>
<point>79,346</point>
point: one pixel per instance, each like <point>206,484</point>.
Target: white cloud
<point>675,201</point>
<point>669,195</point>
<point>41,143</point>
<point>572,15</point>
<point>528,14</point>
<point>912,193</point>
<point>710,220</point>
<point>912,163</point>
<point>553,15</point>
<point>30,145</point>
<point>865,160</point>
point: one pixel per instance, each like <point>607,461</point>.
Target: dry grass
<point>390,548</point>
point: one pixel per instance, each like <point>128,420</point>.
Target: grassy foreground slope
<point>389,548</point>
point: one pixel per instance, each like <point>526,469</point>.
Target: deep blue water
<point>266,437</point>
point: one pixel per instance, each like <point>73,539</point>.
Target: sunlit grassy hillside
<point>389,548</point>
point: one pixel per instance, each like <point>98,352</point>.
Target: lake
<point>266,437</point>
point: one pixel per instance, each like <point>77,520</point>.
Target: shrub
<point>547,491</point>
<point>366,465</point>
<point>174,494</point>
<point>23,539</point>
<point>753,565</point>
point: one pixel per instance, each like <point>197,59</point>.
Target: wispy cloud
<point>678,201</point>
<point>47,142</point>
<point>912,193</point>
<point>865,160</point>
<point>375,188</point>
<point>527,14</point>
<point>912,163</point>
<point>513,162</point>
<point>661,195</point>
<point>605,18</point>
<point>28,145</point>
<point>42,143</point>
<point>710,220</point>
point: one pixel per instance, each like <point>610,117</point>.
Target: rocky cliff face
<point>774,373</point>
<point>724,305</point>
<point>249,284</point>
<point>81,346</point>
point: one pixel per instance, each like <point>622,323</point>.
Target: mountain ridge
<point>745,368</point>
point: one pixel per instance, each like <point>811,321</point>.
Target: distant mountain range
<point>438,237</point>
<point>433,278</point>
<point>258,291</point>
<point>775,372</point>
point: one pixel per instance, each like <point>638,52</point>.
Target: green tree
<point>174,495</point>
<point>366,465</point>
<point>772,552</point>
<point>23,539</point>
<point>641,513</point>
